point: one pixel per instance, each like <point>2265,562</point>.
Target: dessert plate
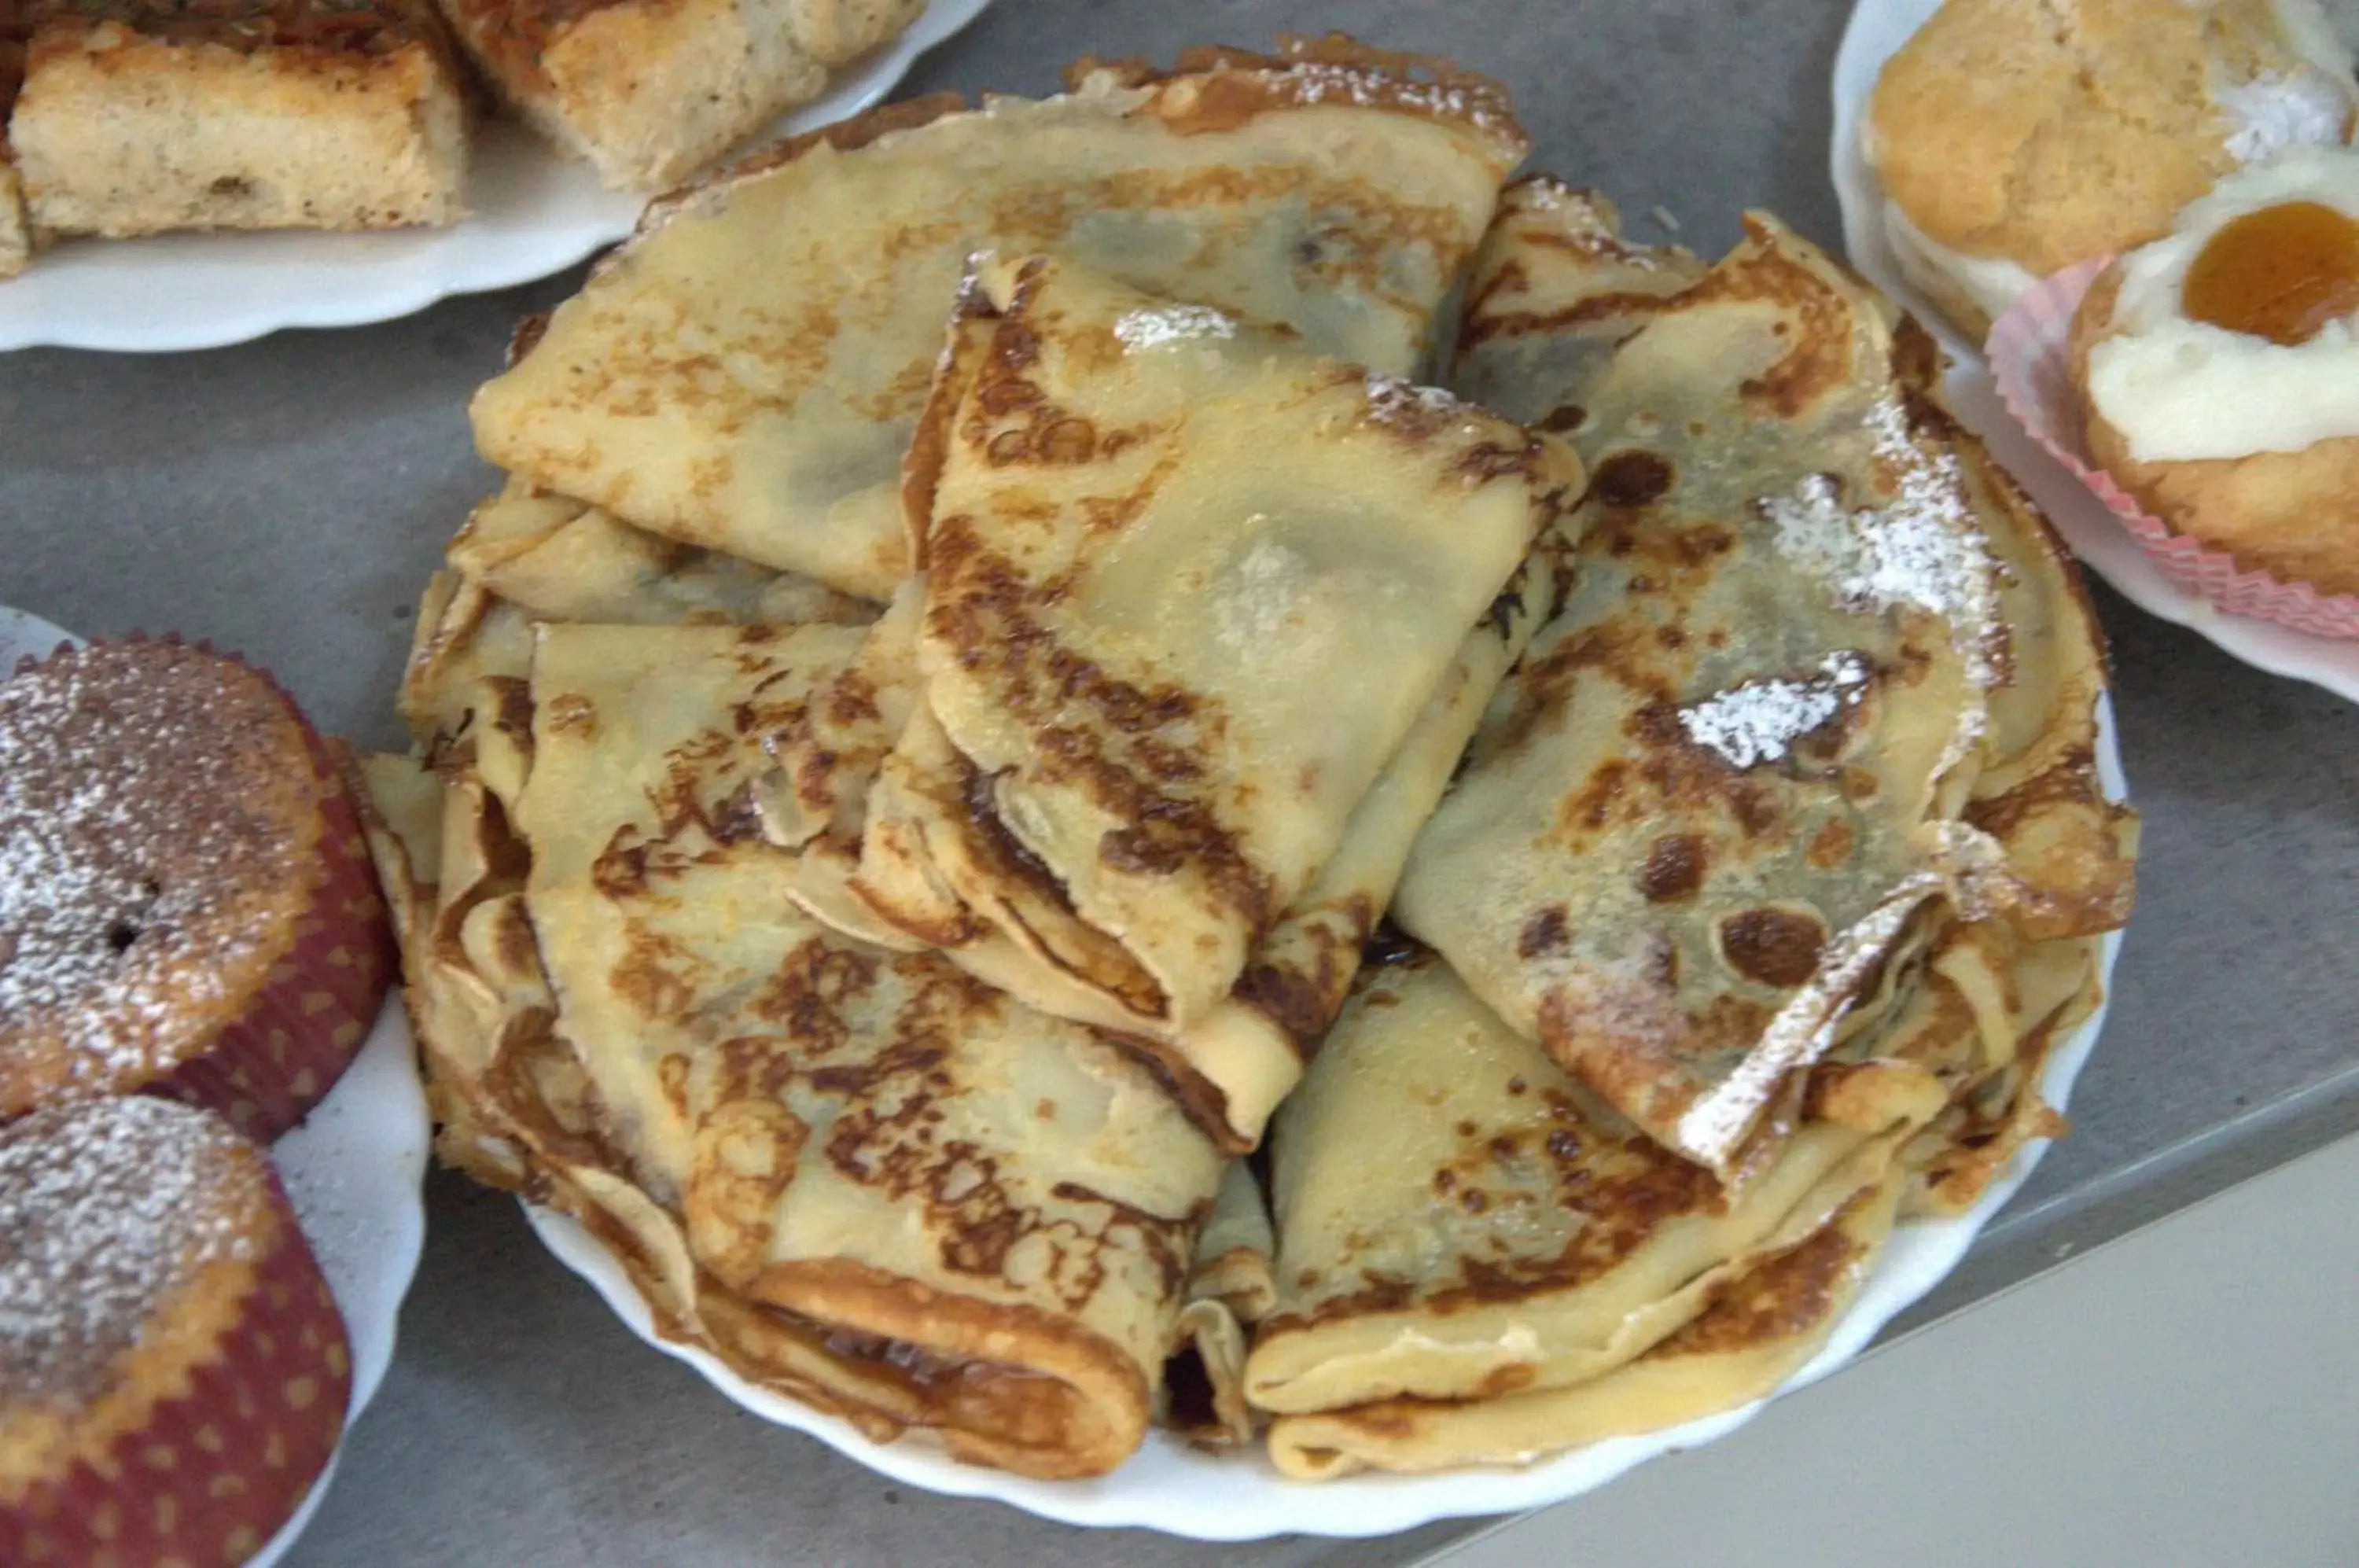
<point>354,1169</point>
<point>532,211</point>
<point>1877,29</point>
<point>1169,1486</point>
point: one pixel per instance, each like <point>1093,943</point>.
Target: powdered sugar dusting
<point>1759,721</point>
<point>1263,596</point>
<point>2276,110</point>
<point>1392,400</point>
<point>105,1207</point>
<point>135,781</point>
<point>1922,549</point>
<point>1714,1126</point>
<point>1161,324</point>
<point>1325,82</point>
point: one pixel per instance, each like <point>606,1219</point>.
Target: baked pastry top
<point>164,825</point>
<point>2015,140</point>
<point>173,1371</point>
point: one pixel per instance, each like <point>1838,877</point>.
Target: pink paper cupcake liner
<point>2030,358</point>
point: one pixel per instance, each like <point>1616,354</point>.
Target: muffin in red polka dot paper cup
<point>186,905</point>
<point>173,1371</point>
<point>2202,388</point>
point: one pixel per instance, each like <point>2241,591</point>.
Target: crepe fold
<point>558,559</point>
<point>747,374</point>
<point>1709,806</point>
<point>527,554</point>
<point>1756,1329</point>
<point>1525,1272</point>
<point>862,1177</point>
<point>1517,1240</point>
<point>1205,622</point>
<point>1229,1291</point>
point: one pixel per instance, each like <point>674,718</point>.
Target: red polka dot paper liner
<point>2031,353</point>
<point>265,1071</point>
<point>269,1066</point>
<point>214,1470</point>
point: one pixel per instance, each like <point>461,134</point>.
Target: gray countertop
<point>287,498</point>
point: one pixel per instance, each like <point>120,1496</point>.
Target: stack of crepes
<point>979,629</point>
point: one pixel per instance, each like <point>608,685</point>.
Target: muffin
<point>2216,370</point>
<point>173,1372</point>
<point>186,906</point>
<point>2012,140</point>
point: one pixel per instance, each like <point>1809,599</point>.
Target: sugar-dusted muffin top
<point>160,815</point>
<point>109,1209</point>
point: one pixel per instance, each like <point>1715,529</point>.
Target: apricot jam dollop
<point>2280,273</point>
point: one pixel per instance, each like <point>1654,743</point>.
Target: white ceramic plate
<point>353,1170</point>
<point>534,211</point>
<point>1170,1487</point>
<point>1878,29</point>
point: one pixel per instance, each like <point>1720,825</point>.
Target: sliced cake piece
<point>141,116</point>
<point>834,31</point>
<point>648,90</point>
<point>16,244</point>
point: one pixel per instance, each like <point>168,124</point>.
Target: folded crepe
<point>747,374</point>
<point>1235,1063</point>
<point>863,1177</point>
<point>558,559</point>
<point>527,554</point>
<point>1229,1289</point>
<point>464,635</point>
<point>1205,619</point>
<point>1707,809</point>
<point>2068,862</point>
<point>1756,1329</point>
<point>1961,1056</point>
<point>1524,1273</point>
<point>1459,1220</point>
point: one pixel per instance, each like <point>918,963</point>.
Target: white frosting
<point>1993,283</point>
<point>2179,390</point>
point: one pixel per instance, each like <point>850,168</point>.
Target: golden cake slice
<point>648,91</point>
<point>16,237</point>
<point>139,117</point>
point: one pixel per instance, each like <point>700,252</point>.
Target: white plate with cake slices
<point>1877,29</point>
<point>1169,1486</point>
<point>354,1169</point>
<point>533,210</point>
